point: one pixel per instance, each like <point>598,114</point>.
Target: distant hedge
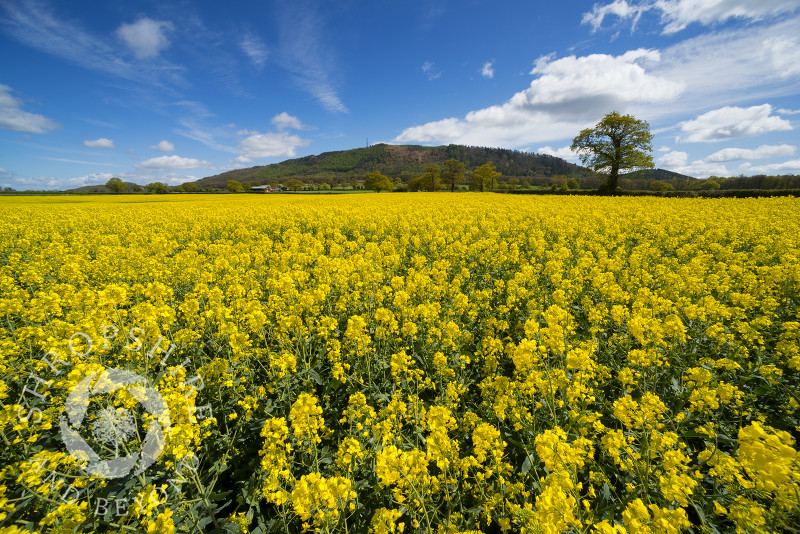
<point>719,193</point>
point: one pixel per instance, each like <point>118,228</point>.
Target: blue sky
<point>177,90</point>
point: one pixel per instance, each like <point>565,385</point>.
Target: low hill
<point>130,187</point>
<point>642,180</point>
<point>400,161</point>
<point>655,174</point>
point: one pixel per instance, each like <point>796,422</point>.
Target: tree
<point>430,180</point>
<point>660,185</point>
<point>116,185</point>
<point>572,183</point>
<point>484,177</point>
<point>234,186</point>
<point>618,142</point>
<point>294,184</point>
<point>378,182</point>
<point>513,182</point>
<point>709,185</point>
<point>159,188</point>
<point>453,173</point>
<point>191,187</point>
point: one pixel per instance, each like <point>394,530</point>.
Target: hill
<point>655,174</point>
<point>130,187</point>
<point>642,179</point>
<point>400,161</point>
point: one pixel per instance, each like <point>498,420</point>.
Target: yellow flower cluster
<point>428,363</point>
<point>319,501</point>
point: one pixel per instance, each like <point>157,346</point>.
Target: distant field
<point>386,363</point>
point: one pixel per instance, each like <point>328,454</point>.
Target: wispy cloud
<point>428,68</point>
<point>101,124</point>
<point>304,54</point>
<point>195,126</point>
<point>80,162</point>
<point>172,162</point>
<point>13,117</point>
<point>618,8</point>
<point>255,49</point>
<point>678,14</point>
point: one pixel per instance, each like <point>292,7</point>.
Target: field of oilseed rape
<point>444,363</point>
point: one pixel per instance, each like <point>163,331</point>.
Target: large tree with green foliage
<point>378,182</point>
<point>484,177</point>
<point>160,188</point>
<point>430,180</point>
<point>116,185</point>
<point>453,173</point>
<point>618,142</point>
<point>294,184</point>
<point>234,186</point>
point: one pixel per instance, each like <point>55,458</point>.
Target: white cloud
<point>90,179</point>
<point>787,167</point>
<point>762,152</point>
<point>254,48</point>
<point>488,70</point>
<point>784,111</point>
<point>163,146</point>
<point>673,159</point>
<point>564,152</point>
<point>678,14</point>
<point>427,68</point>
<point>283,121</point>
<point>703,169</point>
<point>103,142</point>
<point>599,81</point>
<point>146,37</point>
<point>269,145</point>
<point>12,117</point>
<point>732,122</point>
<point>172,162</point>
<point>713,165</point>
<point>568,94</point>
